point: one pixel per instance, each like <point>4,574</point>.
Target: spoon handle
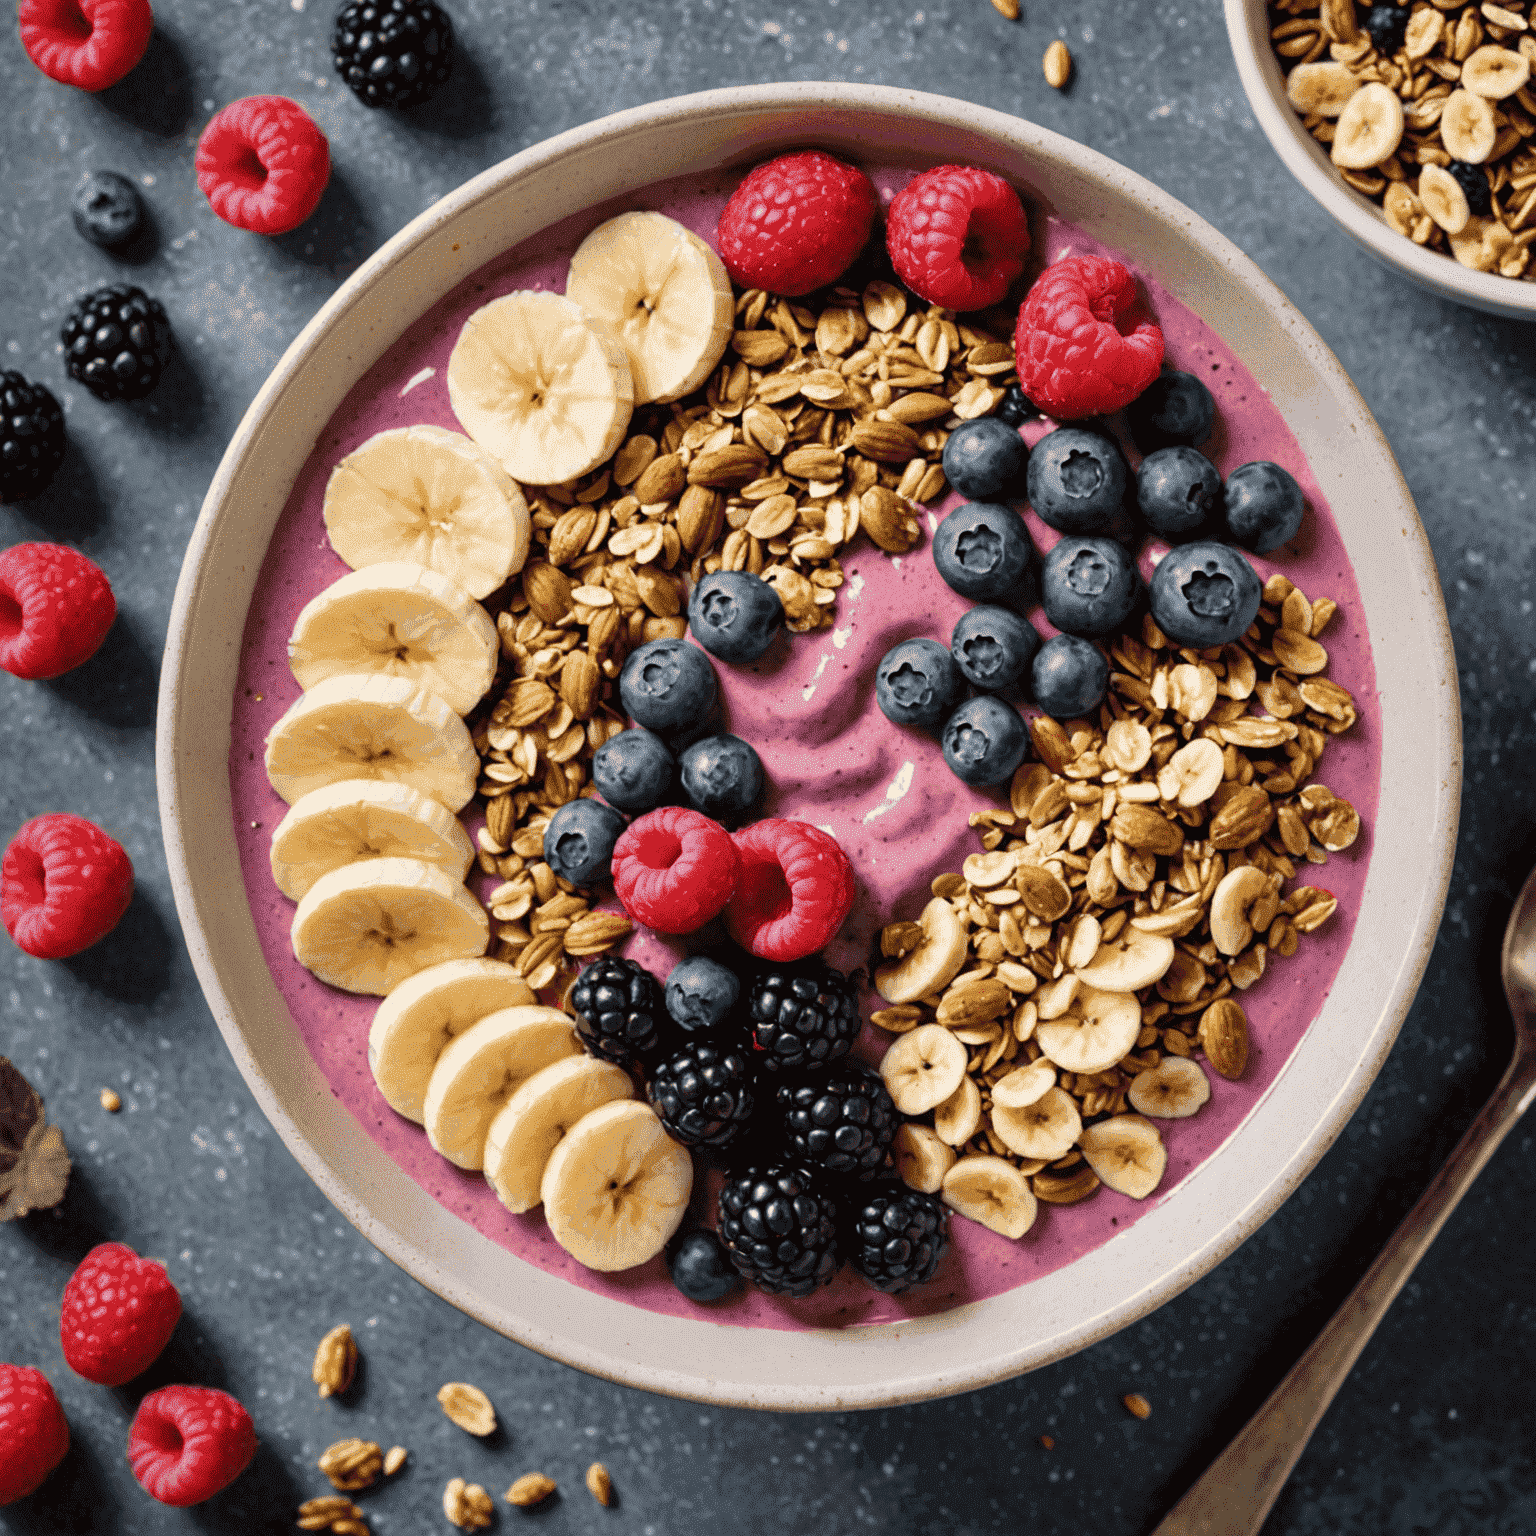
<point>1238,1489</point>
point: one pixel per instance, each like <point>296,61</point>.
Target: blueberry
<point>667,685</point>
<point>1204,594</point>
<point>734,615</point>
<point>918,683</point>
<point>722,777</point>
<point>1076,480</point>
<point>701,992</point>
<point>1089,586</point>
<point>985,460</point>
<point>1016,407</point>
<point>984,741</point>
<point>1174,408</point>
<point>699,1267</point>
<point>634,770</point>
<point>1263,506</point>
<point>1474,182</point>
<point>578,842</point>
<point>1177,490</point>
<point>1069,677</point>
<point>982,550</point>
<point>1387,25</point>
<point>993,647</point>
<point>107,210</point>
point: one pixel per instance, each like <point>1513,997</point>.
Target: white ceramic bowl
<point>1361,219</point>
<point>1227,1197</point>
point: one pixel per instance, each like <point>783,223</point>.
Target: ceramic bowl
<point>1225,1198</point>
<point>1361,219</point>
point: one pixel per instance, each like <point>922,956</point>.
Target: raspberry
<point>33,1433</point>
<point>674,869</point>
<point>796,223</point>
<point>118,1313</point>
<point>187,1443</point>
<point>262,164</point>
<point>793,890</point>
<point>55,609</point>
<point>88,43</point>
<point>1073,358</point>
<point>957,236</point>
<point>63,885</point>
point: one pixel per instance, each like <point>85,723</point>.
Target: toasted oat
<point>111,1101</point>
<point>394,1459</point>
<point>600,1484</point>
<point>530,1489</point>
<point>1135,1403</point>
<point>335,1361</point>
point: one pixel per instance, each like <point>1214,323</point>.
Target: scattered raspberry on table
<point>87,43</point>
<point>262,164</point>
<point>33,1433</point>
<point>796,223</point>
<point>64,884</point>
<point>957,236</point>
<point>118,1314</point>
<point>1074,358</point>
<point>55,609</point>
<point>674,869</point>
<point>188,1443</point>
<point>794,888</point>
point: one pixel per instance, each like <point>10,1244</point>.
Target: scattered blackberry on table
<point>1472,180</point>
<point>1016,407</point>
<point>780,1229</point>
<point>1387,26</point>
<point>704,1092</point>
<point>841,1124</point>
<point>107,209</point>
<point>618,1009</point>
<point>392,53</point>
<point>802,1015</point>
<point>897,1236</point>
<point>31,437</point>
<point>117,341</point>
<point>699,1267</point>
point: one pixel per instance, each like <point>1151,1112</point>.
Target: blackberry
<point>392,53</point>
<point>618,1009</point>
<point>842,1123</point>
<point>704,1092</point>
<point>1016,407</point>
<point>897,1237</point>
<point>31,437</point>
<point>802,1015</point>
<point>780,1229</point>
<point>1387,26</point>
<point>117,341</point>
<point>1473,180</point>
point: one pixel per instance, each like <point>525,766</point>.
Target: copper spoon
<point>1239,1488</point>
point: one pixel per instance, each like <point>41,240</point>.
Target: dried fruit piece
<point>335,1361</point>
<point>34,1166</point>
<point>992,1191</point>
<point>1172,1090</point>
<point>1127,1153</point>
<point>922,1157</point>
<point>600,1484</point>
<point>923,1068</point>
<point>1231,905</point>
<point>1467,128</point>
<point>1369,128</point>
<point>1495,73</point>
<point>1323,88</point>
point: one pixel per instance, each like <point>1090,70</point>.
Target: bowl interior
<point>1307,160</point>
<point>1225,1198</point>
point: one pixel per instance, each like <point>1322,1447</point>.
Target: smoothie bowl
<point>1130,1206</point>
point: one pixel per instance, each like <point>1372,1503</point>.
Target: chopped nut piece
<point>394,1459</point>
<point>335,1361</point>
<point>1137,1404</point>
<point>341,1517</point>
<point>1057,64</point>
<point>468,1407</point>
<point>600,1484</point>
<point>530,1489</point>
<point>110,1101</point>
<point>352,1463</point>
<point>468,1505</point>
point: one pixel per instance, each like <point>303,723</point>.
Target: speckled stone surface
<point>1432,1434</point>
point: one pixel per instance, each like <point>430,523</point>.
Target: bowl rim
<point>1362,220</point>
<point>817,1369</point>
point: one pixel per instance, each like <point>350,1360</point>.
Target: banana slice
<point>1172,1090</point>
<point>1101,1028</point>
<point>366,927</point>
<point>1369,128</point>
<point>617,1186</point>
<point>541,385</point>
<point>1323,88</point>
<point>1024,1085</point>
<point>1494,73</point>
<point>1467,128</point>
<point>371,726</point>
<point>431,496</point>
<point>992,1191</point>
<point>922,1158</point>
<point>956,1120</point>
<point>1045,1129</point>
<point>401,619</point>
<point>938,958</point>
<point>665,294</point>
<point>922,1068</point>
<point>358,819</point>
<point>1444,199</point>
<point>1133,959</point>
<point>530,1126</point>
<point>1127,1154</point>
<point>482,1068</point>
<point>416,1023</point>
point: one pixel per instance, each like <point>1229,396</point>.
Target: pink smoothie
<point>831,758</point>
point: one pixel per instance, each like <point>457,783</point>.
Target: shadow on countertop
<point>337,237</point>
<point>133,963</point>
<point>156,94</point>
<point>118,685</point>
<point>464,107</point>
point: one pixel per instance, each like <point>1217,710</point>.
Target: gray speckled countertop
<point>1433,1432</point>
